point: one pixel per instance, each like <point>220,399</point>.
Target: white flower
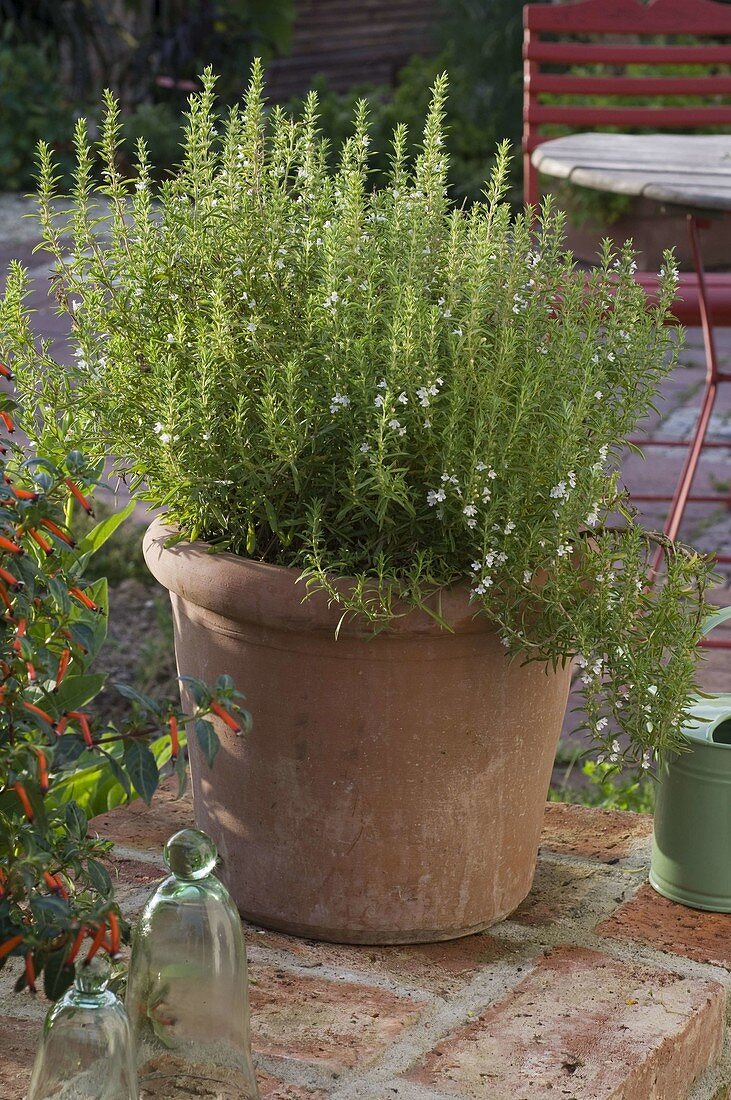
<point>251,326</point>
<point>592,519</point>
<point>559,491</point>
<point>646,763</point>
<point>140,185</point>
<point>447,313</point>
<point>403,398</point>
<point>395,426</point>
<point>509,527</point>
<point>339,400</point>
<point>601,723</point>
<point>165,437</point>
<point>456,332</point>
<point>382,384</point>
<point>469,510</point>
<point>599,395</point>
<point>138,292</point>
<point>379,401</point>
<point>427,423</point>
<point>527,576</point>
<point>365,448</point>
<point>170,338</point>
<point>435,496</point>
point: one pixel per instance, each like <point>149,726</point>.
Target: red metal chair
<point>613,34</point>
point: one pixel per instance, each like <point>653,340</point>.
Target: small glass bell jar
<point>187,993</point>
<point>86,1050</point>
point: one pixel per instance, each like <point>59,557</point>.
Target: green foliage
<point>32,107</point>
<point>608,788</point>
<point>374,384</point>
<point>57,767</point>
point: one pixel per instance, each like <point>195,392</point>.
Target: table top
<point>686,169</point>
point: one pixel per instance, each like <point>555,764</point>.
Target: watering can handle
<point>716,619</point>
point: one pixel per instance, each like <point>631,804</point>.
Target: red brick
<point>584,1026</point>
<point>18,1041</point>
<point>138,825</point>
<point>336,1024</point>
<point>559,893</point>
<point>436,967</point>
<point>273,1088</point>
<point>606,835</point>
<point>667,926</point>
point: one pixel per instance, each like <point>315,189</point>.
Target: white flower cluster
<point>163,436</point>
<point>339,401</point>
<point>562,490</point>
<point>424,393</point>
<point>483,571</point>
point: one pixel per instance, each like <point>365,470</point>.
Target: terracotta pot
<point>393,787</point>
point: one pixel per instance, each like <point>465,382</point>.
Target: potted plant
<point>385,435</point>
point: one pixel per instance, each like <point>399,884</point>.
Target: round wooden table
<point>689,170</point>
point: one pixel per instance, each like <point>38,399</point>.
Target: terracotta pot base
<point>393,787</point>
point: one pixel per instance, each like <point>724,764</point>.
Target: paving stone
<point>586,1027</point>
<point>326,1023</point>
<point>605,835</point>
<point>663,924</point>
<point>435,967</point>
<point>18,1040</point>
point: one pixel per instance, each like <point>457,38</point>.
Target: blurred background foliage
<point>56,56</point>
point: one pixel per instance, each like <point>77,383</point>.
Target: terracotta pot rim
<point>248,591</point>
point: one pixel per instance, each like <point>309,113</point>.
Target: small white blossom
<point>599,395</point>
<point>402,398</point>
<point>435,496</point>
<point>338,401</point>
<point>527,576</point>
<point>251,326</point>
<point>379,401</point>
<point>170,338</point>
<point>365,448</point>
<point>509,527</point>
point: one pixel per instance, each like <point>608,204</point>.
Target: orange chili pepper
<point>8,946</point>
<point>97,941</point>
<point>42,771</point>
<point>84,599</point>
<point>30,972</point>
<point>174,741</point>
<point>113,934</point>
<point>37,711</point>
<point>11,547</point>
<point>10,580</point>
<point>24,800</point>
<point>5,371</point>
<point>76,491</point>
<point>83,722</point>
<point>78,940</point>
<point>63,664</point>
<point>5,597</point>
<point>56,530</point>
<point>225,717</point>
<point>7,421</point>
<point>40,540</point>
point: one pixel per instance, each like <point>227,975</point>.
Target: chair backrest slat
<point>570,85</point>
<point>568,25</point>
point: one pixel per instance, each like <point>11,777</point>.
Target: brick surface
<point>605,835</point>
<point>651,919</point>
<point>147,827</point>
<point>436,967</point>
<point>584,1026</point>
<point>18,1039</point>
<point>273,1088</point>
<point>560,892</point>
<point>327,1023</point>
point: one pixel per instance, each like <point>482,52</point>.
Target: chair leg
<point>685,482</point>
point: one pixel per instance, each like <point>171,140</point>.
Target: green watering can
<point>691,849</point>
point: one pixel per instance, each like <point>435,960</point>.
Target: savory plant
<point>55,891</point>
<point>372,383</point>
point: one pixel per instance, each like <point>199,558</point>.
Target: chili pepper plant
<point>373,383</point>
<point>56,896</point>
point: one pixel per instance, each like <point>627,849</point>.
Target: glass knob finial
<point>93,977</point>
<point>190,854</point>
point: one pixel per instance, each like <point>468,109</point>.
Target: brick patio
<point>596,988</point>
